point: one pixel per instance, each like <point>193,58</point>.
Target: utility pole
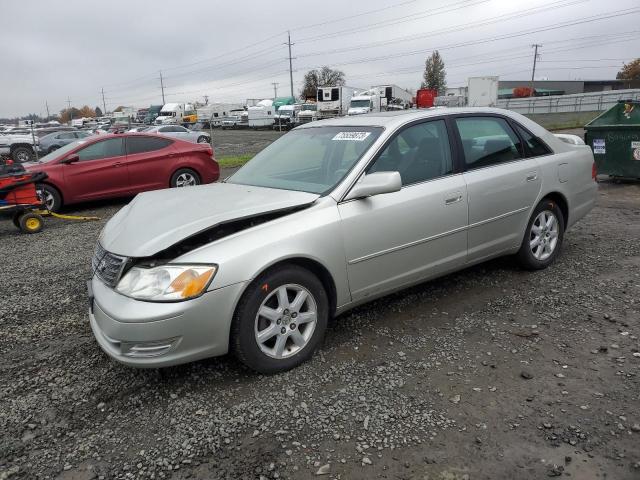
<point>275,89</point>
<point>104,105</point>
<point>46,104</point>
<point>535,59</point>
<point>69,109</point>
<point>290,58</point>
<point>162,87</point>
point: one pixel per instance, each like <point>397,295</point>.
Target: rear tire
<point>185,177</point>
<point>542,241</point>
<point>297,310</point>
<point>203,139</point>
<point>49,196</point>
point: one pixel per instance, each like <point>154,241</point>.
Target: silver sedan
<point>331,215</point>
<point>178,131</point>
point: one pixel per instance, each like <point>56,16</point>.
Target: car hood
<point>154,221</point>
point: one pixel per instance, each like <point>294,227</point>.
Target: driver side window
<point>112,147</point>
<point>419,153</point>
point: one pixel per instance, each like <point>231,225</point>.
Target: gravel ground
<point>492,372</point>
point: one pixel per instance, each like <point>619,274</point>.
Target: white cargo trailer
<point>334,101</point>
<point>482,91</point>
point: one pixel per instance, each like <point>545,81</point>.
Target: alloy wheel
<point>46,198</point>
<point>186,180</point>
<point>544,235</point>
<point>285,321</point>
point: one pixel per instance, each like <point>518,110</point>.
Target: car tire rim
<point>285,321</point>
<point>543,238</point>
<point>46,198</point>
<point>202,140</point>
<point>23,156</point>
<point>186,180</point>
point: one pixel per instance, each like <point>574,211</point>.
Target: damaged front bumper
<point>150,334</point>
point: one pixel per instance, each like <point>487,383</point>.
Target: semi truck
<point>308,112</point>
<point>368,101</point>
<point>482,91</point>
<point>287,117</point>
<point>334,101</point>
<point>173,113</point>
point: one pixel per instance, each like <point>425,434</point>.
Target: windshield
<point>359,103</point>
<point>286,113</point>
<point>311,160</point>
<point>61,151</point>
<point>309,108</point>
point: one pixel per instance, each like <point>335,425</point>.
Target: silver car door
<point>501,184</point>
<point>395,239</point>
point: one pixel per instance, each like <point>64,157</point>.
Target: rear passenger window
<point>111,147</point>
<point>420,153</point>
<point>487,141</point>
<point>533,145</point>
<point>146,144</point>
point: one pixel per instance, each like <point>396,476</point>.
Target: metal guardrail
<point>578,102</point>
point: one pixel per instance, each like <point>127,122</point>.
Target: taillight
<point>594,172</point>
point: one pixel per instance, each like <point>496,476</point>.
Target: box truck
<point>482,91</point>
<point>334,101</point>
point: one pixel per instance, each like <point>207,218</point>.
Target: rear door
<point>502,185</point>
<point>149,162</point>
<point>100,172</point>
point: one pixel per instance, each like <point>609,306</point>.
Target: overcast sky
<point>52,50</point>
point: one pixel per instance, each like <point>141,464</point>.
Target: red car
<point>121,165</point>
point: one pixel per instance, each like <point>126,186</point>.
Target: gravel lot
<point>489,373</point>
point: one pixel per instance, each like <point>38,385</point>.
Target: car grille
<point>107,266</point>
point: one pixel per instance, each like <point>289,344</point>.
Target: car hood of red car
<point>154,221</point>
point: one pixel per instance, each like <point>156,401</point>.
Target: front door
<point>502,185</point>
<point>100,171</point>
<point>399,238</point>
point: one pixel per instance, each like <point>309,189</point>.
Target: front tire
<point>185,177</point>
<point>543,238</point>
<point>49,196</point>
<point>280,321</point>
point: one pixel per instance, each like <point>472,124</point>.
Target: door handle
<point>531,176</point>
<point>455,199</point>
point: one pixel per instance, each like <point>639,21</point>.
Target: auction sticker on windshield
<point>353,136</point>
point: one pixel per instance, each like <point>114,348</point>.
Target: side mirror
<point>71,159</point>
<point>375,184</point>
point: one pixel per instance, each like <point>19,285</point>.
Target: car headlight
<point>166,283</point>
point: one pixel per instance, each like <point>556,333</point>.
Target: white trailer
<point>213,113</point>
<point>334,101</point>
<point>482,91</point>
<point>397,98</point>
<point>261,115</point>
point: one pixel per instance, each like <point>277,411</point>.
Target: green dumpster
<point>614,137</point>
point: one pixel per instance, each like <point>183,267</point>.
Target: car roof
<point>397,118</point>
